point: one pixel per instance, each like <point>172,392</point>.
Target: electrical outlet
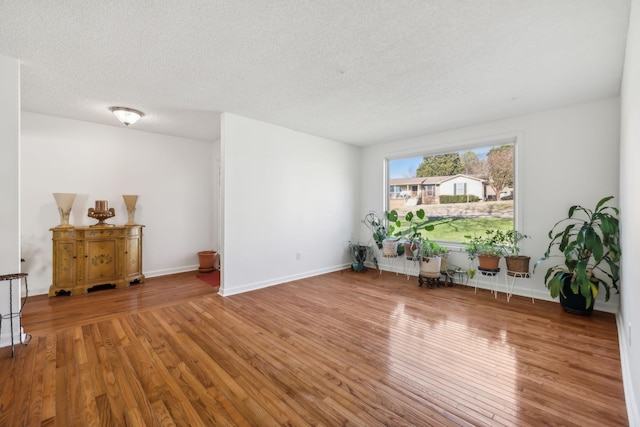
<point>298,256</point>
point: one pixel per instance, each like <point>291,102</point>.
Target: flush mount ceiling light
<point>128,116</point>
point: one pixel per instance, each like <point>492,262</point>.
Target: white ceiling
<point>357,71</point>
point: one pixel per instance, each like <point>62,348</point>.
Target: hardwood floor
<point>339,349</point>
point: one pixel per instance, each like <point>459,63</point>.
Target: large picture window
<point>463,192</point>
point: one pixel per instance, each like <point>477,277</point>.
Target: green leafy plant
<point>378,229</point>
<point>587,240</point>
<point>431,248</point>
<point>392,228</point>
<point>382,231</point>
<point>517,265</point>
<point>359,255</point>
<point>488,245</point>
<point>393,221</point>
<point>416,222</point>
<point>508,241</point>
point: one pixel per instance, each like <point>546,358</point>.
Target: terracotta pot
<point>410,249</point>
<point>207,261</point>
<point>488,262</point>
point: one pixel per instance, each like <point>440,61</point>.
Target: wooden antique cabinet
<point>85,257</point>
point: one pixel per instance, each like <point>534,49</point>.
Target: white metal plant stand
<point>493,278</point>
<point>510,284</point>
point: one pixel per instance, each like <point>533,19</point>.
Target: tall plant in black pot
<point>589,243</point>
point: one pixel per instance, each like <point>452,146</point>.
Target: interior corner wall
<point>629,318</point>
<point>289,204</point>
<point>566,156</point>
<point>9,187</point>
<point>172,176</point>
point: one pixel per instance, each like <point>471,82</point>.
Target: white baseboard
<point>168,271</point>
<point>5,338</point>
<point>631,400</point>
<point>225,291</point>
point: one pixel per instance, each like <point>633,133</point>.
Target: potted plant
<point>588,242</point>
<point>413,235</point>
<point>433,261</point>
<point>517,265</point>
<point>432,256</point>
<point>207,261</point>
<point>358,254</point>
<point>377,227</point>
<point>487,249</point>
<point>383,234</point>
<point>390,241</point>
<point>387,234</point>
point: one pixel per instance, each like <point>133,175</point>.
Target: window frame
<point>463,145</point>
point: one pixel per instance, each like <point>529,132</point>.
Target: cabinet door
<point>133,254</point>
<point>101,259</point>
<point>64,265</point>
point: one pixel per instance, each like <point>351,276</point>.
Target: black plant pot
<point>574,303</point>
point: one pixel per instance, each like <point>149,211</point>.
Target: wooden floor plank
<point>49,378</point>
<point>343,348</point>
<point>162,414</point>
<point>19,403</point>
<point>33,415</point>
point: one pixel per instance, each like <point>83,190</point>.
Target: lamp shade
<point>128,116</point>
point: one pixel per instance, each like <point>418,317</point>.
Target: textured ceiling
<point>357,71</point>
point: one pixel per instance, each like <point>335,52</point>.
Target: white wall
<point>172,176</point>
<point>630,212</point>
<point>217,203</point>
<point>284,193</point>
<point>9,187</point>
<point>564,156</point>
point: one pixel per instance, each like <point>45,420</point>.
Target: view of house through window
<point>462,192</point>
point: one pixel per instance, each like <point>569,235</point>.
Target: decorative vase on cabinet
<point>130,201</point>
<point>64,202</point>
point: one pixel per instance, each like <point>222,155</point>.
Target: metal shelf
<point>15,314</point>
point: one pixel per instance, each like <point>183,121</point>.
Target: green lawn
<point>453,229</point>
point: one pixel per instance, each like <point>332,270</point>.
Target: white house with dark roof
<point>429,189</point>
